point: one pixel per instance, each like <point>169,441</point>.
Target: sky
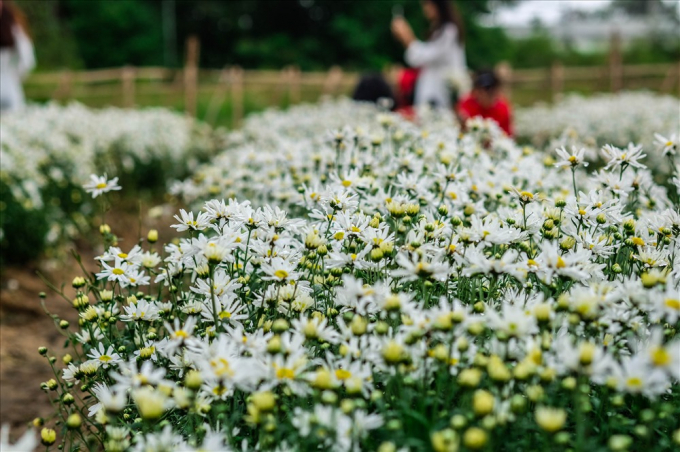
<point>549,11</point>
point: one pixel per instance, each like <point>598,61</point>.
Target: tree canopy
<point>313,34</point>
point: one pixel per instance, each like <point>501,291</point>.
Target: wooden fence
<point>230,84</point>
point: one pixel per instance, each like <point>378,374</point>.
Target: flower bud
<point>280,325</point>
<point>517,403</point>
<point>458,421</point>
<point>482,402</point>
<point>152,236</point>
<point>48,436</point>
<point>381,327</point>
<point>393,353</point>
<point>475,438</point>
<point>470,377</point>
<point>74,421</point>
<point>444,440</point>
<point>358,325</point>
<point>569,383</point>
<point>387,446</point>
<point>329,397</point>
<point>274,345</point>
<point>586,353</point>
<point>193,380</point>
<point>104,229</point>
<point>568,243</point>
<point>620,442</point>
<point>263,401</point>
<point>550,419</point>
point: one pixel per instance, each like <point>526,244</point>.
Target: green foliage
<point>24,230</point>
<point>312,34</point>
<point>115,33</point>
<point>55,44</point>
<point>253,34</point>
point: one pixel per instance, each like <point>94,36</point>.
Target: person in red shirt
<point>486,101</point>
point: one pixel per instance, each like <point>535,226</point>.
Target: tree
<point>115,33</point>
<point>645,7</point>
<point>313,34</point>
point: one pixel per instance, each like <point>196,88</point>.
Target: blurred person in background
<point>16,56</point>
<point>487,101</point>
<point>441,58</point>
<point>374,88</point>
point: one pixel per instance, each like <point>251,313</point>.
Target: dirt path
<point>24,326</point>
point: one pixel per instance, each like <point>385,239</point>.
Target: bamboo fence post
<point>282,82</point>
<point>615,63</point>
<point>236,80</point>
<point>127,77</point>
<point>333,79</point>
<point>294,78</point>
<point>64,87</point>
<point>191,75</point>
<point>556,80</point>
<point>504,73</point>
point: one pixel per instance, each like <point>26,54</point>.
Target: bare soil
<point>24,325</point>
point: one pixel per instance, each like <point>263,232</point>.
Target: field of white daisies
<point>342,279</point>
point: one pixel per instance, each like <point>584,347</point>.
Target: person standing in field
<point>16,56</point>
<point>441,58</point>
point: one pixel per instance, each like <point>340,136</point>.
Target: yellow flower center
<point>638,241</point>
<point>660,357</point>
<point>673,303</point>
<point>105,358</point>
<point>118,271</point>
<point>281,274</point>
<point>221,367</point>
<point>101,185</point>
<point>181,334</point>
<point>219,390</point>
<point>285,372</point>
<point>560,263</point>
<point>342,374</point>
<point>634,382</point>
<point>123,255</point>
<point>346,183</point>
<point>225,315</point>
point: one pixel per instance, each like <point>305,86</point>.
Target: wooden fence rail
<point>231,83</point>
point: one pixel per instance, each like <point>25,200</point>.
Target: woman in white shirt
<point>16,58</point>
<point>441,58</point>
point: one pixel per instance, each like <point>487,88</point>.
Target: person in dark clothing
<point>372,88</point>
